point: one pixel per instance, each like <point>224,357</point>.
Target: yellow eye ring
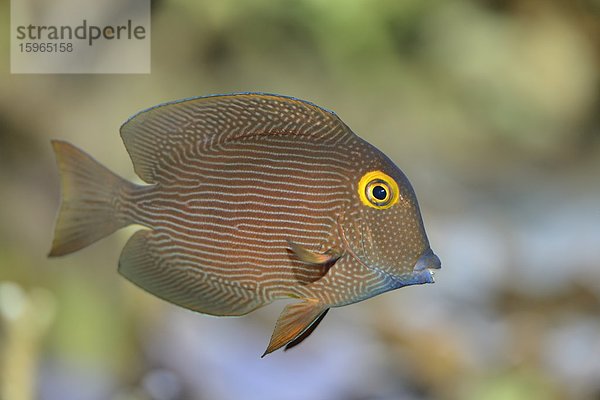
<point>378,190</point>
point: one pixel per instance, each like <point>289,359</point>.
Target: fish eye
<point>378,190</point>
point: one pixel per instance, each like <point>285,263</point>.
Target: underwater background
<point>491,108</point>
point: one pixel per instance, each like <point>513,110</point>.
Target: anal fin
<point>294,321</point>
<point>145,264</point>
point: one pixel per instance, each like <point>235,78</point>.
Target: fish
<point>249,198</point>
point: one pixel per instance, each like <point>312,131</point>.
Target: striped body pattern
<point>250,198</point>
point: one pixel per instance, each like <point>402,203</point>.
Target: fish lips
<point>428,261</point>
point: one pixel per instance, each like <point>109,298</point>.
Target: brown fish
<point>250,198</point>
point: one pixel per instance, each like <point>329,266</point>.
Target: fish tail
<point>91,200</point>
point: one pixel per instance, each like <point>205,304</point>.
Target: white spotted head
<point>384,228</point>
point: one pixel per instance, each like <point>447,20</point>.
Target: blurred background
<point>492,108</point>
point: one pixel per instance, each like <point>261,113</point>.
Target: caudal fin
<point>90,197</point>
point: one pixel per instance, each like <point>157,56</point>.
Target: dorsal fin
<point>164,134</point>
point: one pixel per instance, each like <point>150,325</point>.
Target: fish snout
<point>428,260</point>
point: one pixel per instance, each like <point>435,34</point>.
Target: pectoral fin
<point>313,266</point>
<point>295,320</point>
<point>310,256</point>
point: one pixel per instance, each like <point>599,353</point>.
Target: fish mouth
<point>422,271</point>
<point>428,261</point>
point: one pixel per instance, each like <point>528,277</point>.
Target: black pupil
<point>379,192</point>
